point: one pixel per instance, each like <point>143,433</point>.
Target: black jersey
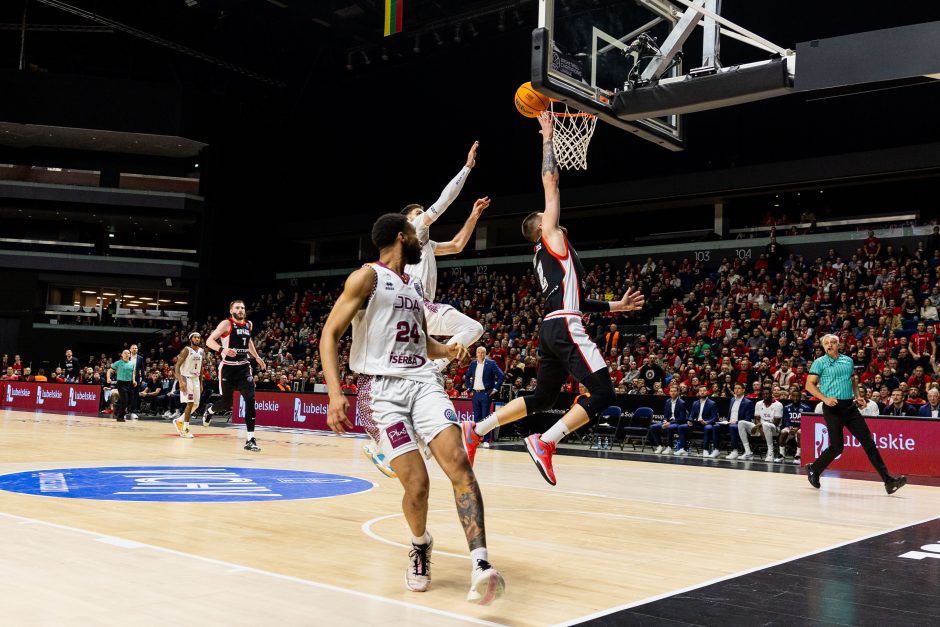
<point>560,277</point>
<point>237,338</point>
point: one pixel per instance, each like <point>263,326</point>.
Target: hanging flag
<point>393,16</point>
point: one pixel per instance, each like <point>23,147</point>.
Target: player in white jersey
<point>444,320</point>
<point>401,401</point>
<point>188,372</point>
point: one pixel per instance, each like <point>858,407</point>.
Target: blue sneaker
<point>378,459</point>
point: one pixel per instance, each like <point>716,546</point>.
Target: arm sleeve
<point>589,304</point>
<point>448,196</point>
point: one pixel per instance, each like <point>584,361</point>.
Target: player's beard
<point>412,252</point>
<point>239,316</point>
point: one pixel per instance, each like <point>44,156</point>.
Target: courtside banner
<point>308,411</point>
<point>909,446</point>
<point>53,397</point>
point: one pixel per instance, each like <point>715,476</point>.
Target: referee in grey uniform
<point>831,379</point>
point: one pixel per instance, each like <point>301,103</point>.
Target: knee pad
<point>602,394</point>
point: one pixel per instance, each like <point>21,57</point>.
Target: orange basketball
<point>529,102</point>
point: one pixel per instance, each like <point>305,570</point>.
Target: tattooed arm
<point>551,230</point>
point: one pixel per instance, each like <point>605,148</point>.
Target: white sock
<point>556,433</point>
<point>425,539</point>
<point>798,451</point>
<point>251,434</point>
<point>478,554</point>
<point>487,424</point>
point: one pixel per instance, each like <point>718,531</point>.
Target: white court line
<point>673,504</point>
<point>665,595</point>
<point>367,526</point>
<point>239,568</point>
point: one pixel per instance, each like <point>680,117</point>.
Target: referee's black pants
<point>125,389</point>
<point>845,414</point>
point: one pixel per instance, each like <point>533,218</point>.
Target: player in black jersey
<point>232,338</point>
<point>564,346</point>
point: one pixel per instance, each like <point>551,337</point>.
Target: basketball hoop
<point>572,130</point>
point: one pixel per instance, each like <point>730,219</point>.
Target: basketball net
<point>572,133</point>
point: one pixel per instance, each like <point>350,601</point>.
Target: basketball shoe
<point>252,445</point>
<point>541,453</point>
<point>418,575</point>
<point>470,438</point>
<point>373,455</point>
<point>486,584</point>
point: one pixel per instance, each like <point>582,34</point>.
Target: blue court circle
<point>185,484</point>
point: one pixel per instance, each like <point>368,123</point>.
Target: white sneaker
<point>733,454</point>
<point>779,459</point>
<point>418,575</point>
<point>659,449</point>
<point>166,414</point>
<point>186,433</point>
<point>134,416</point>
<point>704,453</point>
<point>484,445</point>
<point>715,453</point>
<point>176,414</point>
<point>178,425</point>
<point>747,455</point>
<point>377,458</point>
<point>486,584</point>
<point>769,457</point>
<point>681,452</point>
<point>667,450</point>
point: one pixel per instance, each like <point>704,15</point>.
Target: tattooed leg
<point>452,458</point>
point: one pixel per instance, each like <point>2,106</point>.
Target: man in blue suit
<point>740,408</point>
<point>705,413</point>
<point>484,377</point>
<point>675,419</point>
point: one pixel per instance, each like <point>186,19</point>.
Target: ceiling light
<point>108,294</point>
<point>146,298</point>
<point>88,292</point>
<point>180,302</point>
<point>164,300</point>
<point>131,296</point>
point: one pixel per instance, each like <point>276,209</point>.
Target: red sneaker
<point>541,453</point>
<point>470,438</point>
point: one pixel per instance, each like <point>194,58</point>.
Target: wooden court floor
<point>612,532</point>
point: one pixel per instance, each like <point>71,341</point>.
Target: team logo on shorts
<point>450,415</point>
<point>398,434</point>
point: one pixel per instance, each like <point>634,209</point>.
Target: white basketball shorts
<point>401,414</point>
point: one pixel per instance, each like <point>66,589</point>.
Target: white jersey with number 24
<point>388,333</point>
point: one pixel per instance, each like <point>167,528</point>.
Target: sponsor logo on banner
<point>302,409</point>
<point>266,406</point>
<point>14,392</point>
<point>821,439</point>
<point>42,395</point>
<point>398,434</point>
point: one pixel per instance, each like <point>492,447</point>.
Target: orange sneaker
<point>541,453</point>
<point>470,438</point>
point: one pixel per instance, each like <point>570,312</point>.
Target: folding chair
<point>606,428</point>
<point>639,427</point>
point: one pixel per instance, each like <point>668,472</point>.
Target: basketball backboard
<point>592,49</point>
